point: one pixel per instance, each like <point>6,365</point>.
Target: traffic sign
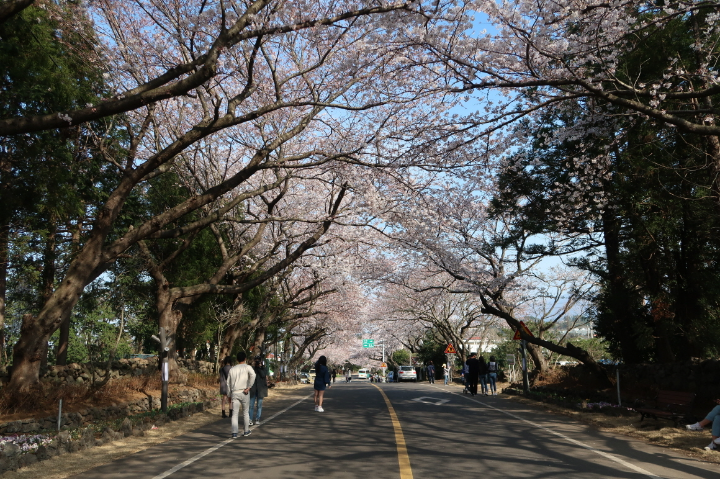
<point>450,349</point>
<point>383,365</point>
<point>368,343</point>
<point>524,328</point>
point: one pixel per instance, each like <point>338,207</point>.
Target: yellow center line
<point>403,458</point>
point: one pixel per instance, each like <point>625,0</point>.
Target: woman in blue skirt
<point>322,380</point>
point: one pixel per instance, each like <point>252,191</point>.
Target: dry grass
<point>42,400</point>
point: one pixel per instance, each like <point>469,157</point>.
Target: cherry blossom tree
<point>265,86</point>
<point>451,230</point>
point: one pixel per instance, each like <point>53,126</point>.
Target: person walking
<point>483,376</point>
<point>334,373</point>
<point>473,372</point>
<point>258,391</point>
<point>446,373</point>
<point>713,418</point>
<point>240,379</point>
<point>431,372</point>
<point>492,375</point>
<point>224,371</point>
<point>322,379</point>
<point>348,375</point>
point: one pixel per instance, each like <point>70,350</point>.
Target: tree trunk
<point>569,350</point>
<point>259,340</point>
<point>169,319</point>
<point>4,245</point>
<point>26,367</point>
<point>48,277</point>
<point>62,347</point>
<point>619,301</point>
<point>541,364</point>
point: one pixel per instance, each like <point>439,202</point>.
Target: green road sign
<point>368,343</point>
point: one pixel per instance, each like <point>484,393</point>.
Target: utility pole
<point>164,367</point>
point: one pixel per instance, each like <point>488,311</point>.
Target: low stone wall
<point>80,429</point>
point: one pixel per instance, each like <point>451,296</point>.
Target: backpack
<point>492,367</point>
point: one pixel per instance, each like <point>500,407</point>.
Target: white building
<point>479,344</point>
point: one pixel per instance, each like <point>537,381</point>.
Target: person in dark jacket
<point>431,372</point>
<point>322,379</point>
<point>493,369</point>
<point>227,365</point>
<point>473,372</point>
<point>259,390</point>
<point>483,376</point>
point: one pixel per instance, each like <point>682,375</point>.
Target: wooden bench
<point>673,405</point>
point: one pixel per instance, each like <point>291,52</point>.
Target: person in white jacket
<point>239,381</point>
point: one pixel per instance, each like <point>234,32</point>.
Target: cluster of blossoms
<point>24,442</point>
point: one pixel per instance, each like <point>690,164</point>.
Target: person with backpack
<point>483,376</point>
<point>227,364</point>
<point>492,375</point>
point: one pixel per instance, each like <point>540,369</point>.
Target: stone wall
<point>80,429</point>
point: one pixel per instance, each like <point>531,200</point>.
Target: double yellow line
<point>403,458</point>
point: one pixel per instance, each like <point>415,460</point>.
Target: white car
<point>363,374</point>
<point>407,373</point>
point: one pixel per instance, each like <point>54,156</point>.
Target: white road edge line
<point>223,443</point>
<point>612,457</point>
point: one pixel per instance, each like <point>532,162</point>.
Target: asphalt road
<point>419,431</point>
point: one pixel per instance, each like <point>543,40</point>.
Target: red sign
<point>450,349</point>
<point>524,328</point>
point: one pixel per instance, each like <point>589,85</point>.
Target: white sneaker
<point>316,408</point>
<point>694,427</point>
<point>712,446</point>
<point>320,409</point>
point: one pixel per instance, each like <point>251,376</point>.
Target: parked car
<point>363,373</point>
<point>304,378</point>
<point>407,373</point>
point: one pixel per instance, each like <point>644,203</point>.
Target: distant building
<point>480,344</point>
